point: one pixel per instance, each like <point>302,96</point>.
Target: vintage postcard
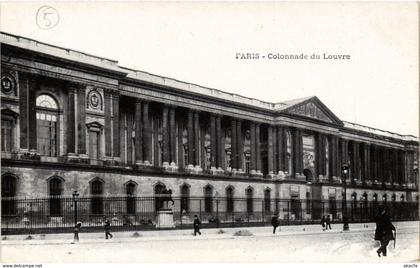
<point>227,132</point>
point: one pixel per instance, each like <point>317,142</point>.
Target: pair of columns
<point>143,133</point>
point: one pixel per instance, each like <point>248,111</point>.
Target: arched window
<point>130,191</point>
<point>185,198</point>
<point>208,199</point>
<point>158,198</point>
<point>55,190</point>
<point>8,192</point>
<point>96,202</point>
<point>229,199</point>
<point>308,203</point>
<point>46,125</point>
<point>267,200</point>
<point>249,200</point>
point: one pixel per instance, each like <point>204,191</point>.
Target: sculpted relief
<point>310,109</point>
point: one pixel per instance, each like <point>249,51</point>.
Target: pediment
<point>313,108</point>
<point>9,112</point>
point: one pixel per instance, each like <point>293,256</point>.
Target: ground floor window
<point>8,192</point>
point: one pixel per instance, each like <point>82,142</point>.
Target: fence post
<point>301,211</point>
<point>201,216</point>
<point>217,213</point>
<point>288,212</point>
<point>263,211</point>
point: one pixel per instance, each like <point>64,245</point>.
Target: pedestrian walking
<point>196,224</point>
<point>323,221</point>
<point>384,231</point>
<point>275,222</point>
<point>328,222</point>
<point>77,227</point>
<point>107,227</point>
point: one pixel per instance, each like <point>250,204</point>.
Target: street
<point>328,246</point>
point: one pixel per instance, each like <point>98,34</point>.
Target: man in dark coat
<point>384,231</point>
<point>323,221</point>
<point>77,227</point>
<point>107,227</point>
<point>196,224</point>
<point>328,222</point>
<point>275,222</point>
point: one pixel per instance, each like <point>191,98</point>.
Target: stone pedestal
<point>165,219</point>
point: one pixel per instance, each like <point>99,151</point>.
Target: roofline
<point>132,73</point>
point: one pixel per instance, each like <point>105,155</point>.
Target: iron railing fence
<point>57,214</point>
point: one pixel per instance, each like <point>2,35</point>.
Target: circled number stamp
<point>47,17</point>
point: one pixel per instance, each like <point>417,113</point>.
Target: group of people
<point>385,230</point>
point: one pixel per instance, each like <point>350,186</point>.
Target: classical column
<point>299,151</point>
<point>129,138</point>
<point>401,166</point>
<point>234,144</point>
<point>240,145</point>
<point>23,111</point>
<point>320,154</point>
<point>367,162</point>
<point>190,139</point>
<point>213,146</point>
<point>220,143</point>
<point>108,122</point>
<point>115,126</point>
<point>172,134</point>
<point>280,149</point>
<point>387,164</point>
<point>380,164</point>
<point>138,132</point>
<point>147,141</point>
<point>252,164</point>
<point>81,120</point>
<point>270,150</point>
<point>33,88</point>
<point>180,143</point>
<point>258,147</point>
<point>165,147</point>
<point>197,138</point>
<point>71,122</point>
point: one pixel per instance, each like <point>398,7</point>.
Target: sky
<point>199,42</point>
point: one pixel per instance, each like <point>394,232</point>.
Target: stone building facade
<point>73,121</point>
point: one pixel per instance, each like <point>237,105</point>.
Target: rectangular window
<point>6,135</point>
<point>94,145</point>
<point>46,135</point>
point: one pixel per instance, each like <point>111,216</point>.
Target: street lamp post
<point>75,195</point>
<point>345,171</point>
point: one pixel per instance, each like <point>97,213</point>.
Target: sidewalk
<point>221,233</point>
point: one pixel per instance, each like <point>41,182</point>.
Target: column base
<point>300,176</point>
<point>281,175</point>
<point>29,155</point>
<point>171,168</point>
<point>139,163</point>
<point>116,161</point>
<point>368,183</point>
<point>272,175</point>
<point>84,158</point>
<point>165,164</point>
